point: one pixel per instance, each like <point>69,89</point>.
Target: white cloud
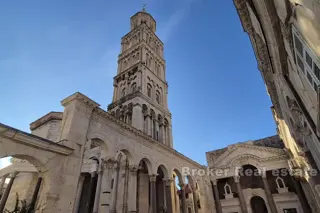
<point>174,20</point>
<point>4,162</point>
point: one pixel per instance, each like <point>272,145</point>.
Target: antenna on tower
<point>144,7</point>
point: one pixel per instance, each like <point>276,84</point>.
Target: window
<point>309,77</point>
<point>290,210</point>
<point>298,45</point>
<point>308,63</point>
<point>308,60</point>
<point>300,63</point>
<point>149,90</point>
<point>316,71</point>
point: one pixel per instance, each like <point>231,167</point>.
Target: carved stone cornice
<point>80,97</point>
<point>262,50</point>
<point>44,119</point>
<point>244,15</point>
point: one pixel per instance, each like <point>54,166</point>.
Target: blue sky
<point>51,49</point>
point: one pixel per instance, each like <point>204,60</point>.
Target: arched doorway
<point>258,205</point>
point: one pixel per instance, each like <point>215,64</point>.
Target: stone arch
<point>164,170</point>
<point>39,158</point>
<point>258,205</point>
<point>107,147</point>
<point>127,153</point>
<point>249,159</point>
<point>178,174</point>
<point>148,163</point>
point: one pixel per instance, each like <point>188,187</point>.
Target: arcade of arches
<point>88,160</point>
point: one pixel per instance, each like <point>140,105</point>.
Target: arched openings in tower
<point>124,113</point>
<point>155,125</point>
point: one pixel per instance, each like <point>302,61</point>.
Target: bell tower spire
<point>140,86</point>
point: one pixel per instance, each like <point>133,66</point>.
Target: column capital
<point>236,178</point>
<point>214,181</point>
<point>167,181</point>
<point>153,177</point>
<point>109,162</point>
<point>133,169</point>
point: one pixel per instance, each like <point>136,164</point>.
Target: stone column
<point>98,190</point>
<point>195,203</point>
<point>240,194</point>
<point>150,125</point>
<point>183,198</point>
<point>169,138</point>
<point>153,194</point>
<point>161,133</point>
<point>168,196</point>
<point>5,195</point>
<point>113,207</point>
<point>304,203</point>
<point>216,197</point>
<point>79,193</point>
<point>271,202</point>
<point>133,189</point>
<point>35,195</point>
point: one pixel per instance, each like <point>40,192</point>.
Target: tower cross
<point>144,7</point>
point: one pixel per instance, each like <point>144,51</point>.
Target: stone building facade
<point>88,160</point>
<point>285,35</point>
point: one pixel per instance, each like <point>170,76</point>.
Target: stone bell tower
<point>140,87</point>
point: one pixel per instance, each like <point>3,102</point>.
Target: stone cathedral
<point>88,160</point>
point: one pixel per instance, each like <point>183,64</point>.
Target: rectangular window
<point>308,59</point>
<point>298,45</point>
<point>300,63</point>
<point>315,86</point>
<point>316,71</point>
<point>309,78</point>
<point>290,210</point>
